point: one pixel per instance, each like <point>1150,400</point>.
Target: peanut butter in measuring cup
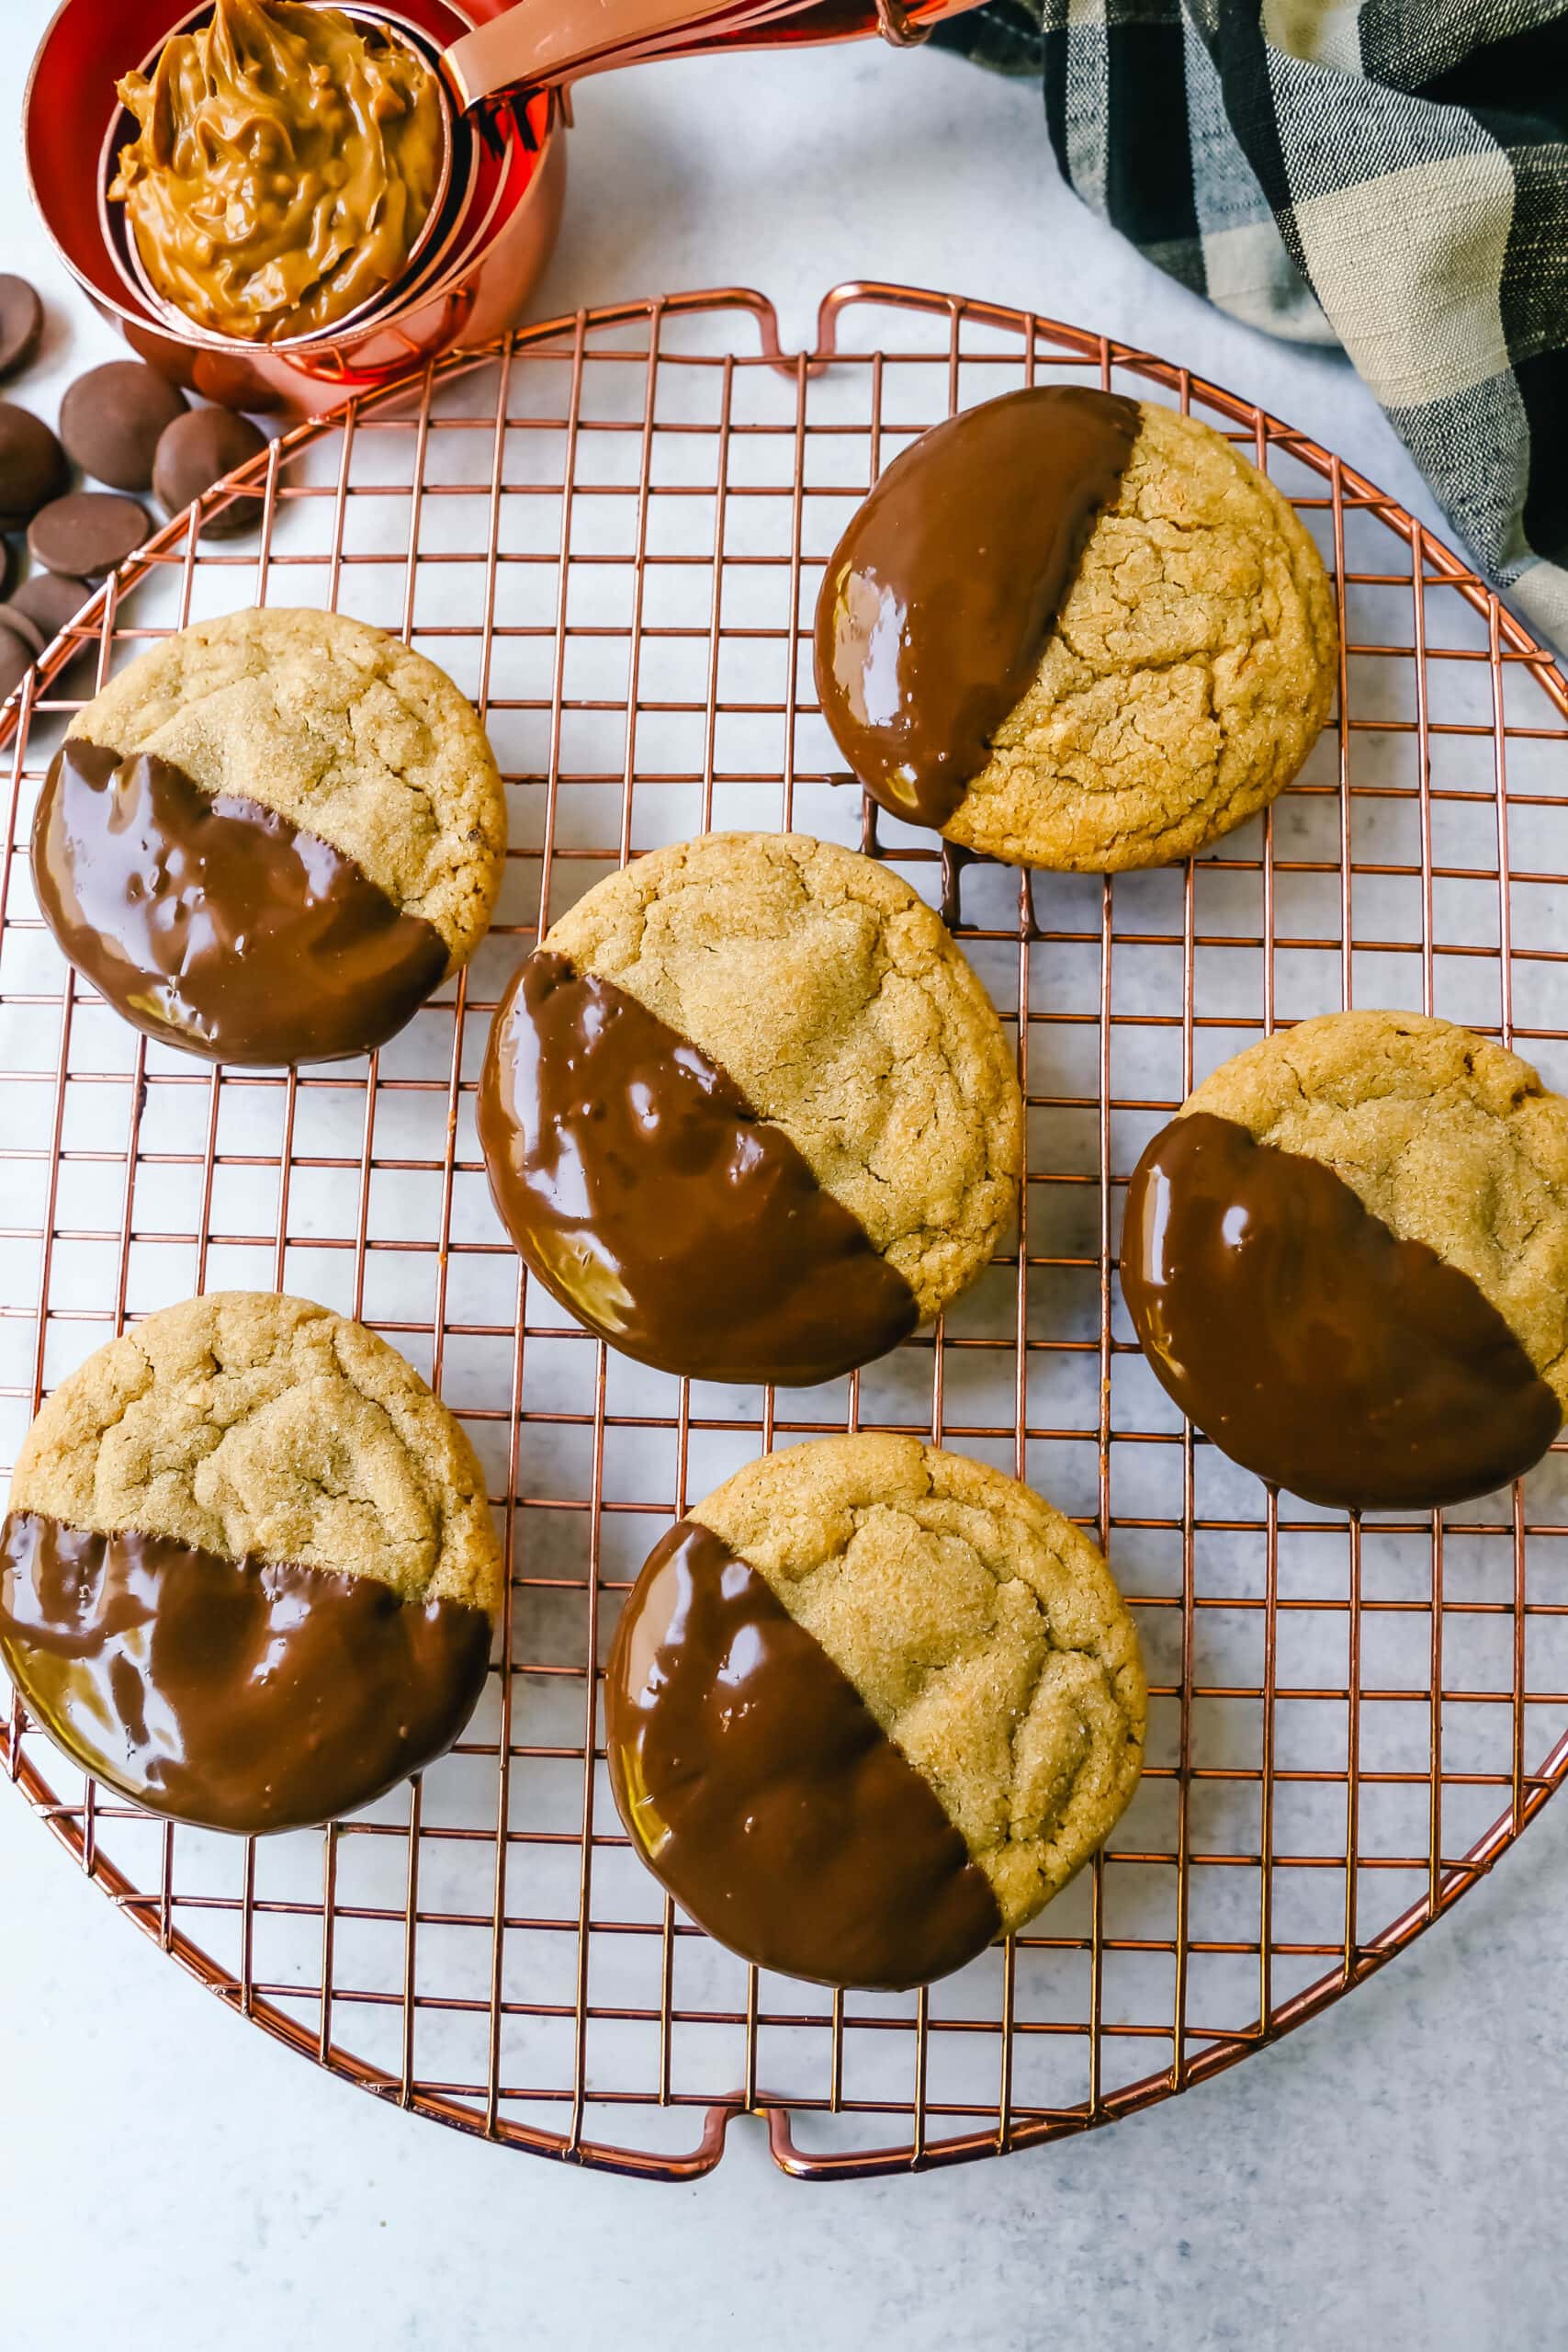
<point>286,162</point>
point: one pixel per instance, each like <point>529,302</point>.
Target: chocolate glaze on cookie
<point>760,1789</point>
<point>938,597</point>
<point>219,925</point>
<point>239,1695</point>
<point>1311,1343</point>
<point>649,1198</point>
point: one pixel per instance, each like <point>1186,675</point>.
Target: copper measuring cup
<point>504,72</point>
<point>454,180</point>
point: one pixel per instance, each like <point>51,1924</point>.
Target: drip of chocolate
<point>237,1694</point>
<point>216,924</point>
<point>938,600</point>
<point>649,1197</point>
<point>1308,1342</point>
<point>760,1789</point>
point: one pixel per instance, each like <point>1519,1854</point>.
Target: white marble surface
<point>1386,2175</point>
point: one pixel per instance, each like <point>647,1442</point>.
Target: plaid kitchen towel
<point>1389,175</point>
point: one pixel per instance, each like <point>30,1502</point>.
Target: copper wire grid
<point>610,529</point>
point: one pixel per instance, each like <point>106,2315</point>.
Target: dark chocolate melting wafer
<point>111,419</point>
<point>33,466</point>
<point>50,599</point>
<point>20,623</point>
<point>87,533</point>
<point>18,654</point>
<point>21,323</point>
<point>198,450</point>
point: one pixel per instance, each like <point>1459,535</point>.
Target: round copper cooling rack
<point>610,529</point>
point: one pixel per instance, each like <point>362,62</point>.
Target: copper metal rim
<point>1349,1723</point>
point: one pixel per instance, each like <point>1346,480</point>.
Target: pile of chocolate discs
<point>123,425</point>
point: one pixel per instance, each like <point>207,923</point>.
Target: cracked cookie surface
<point>341,729</point>
<point>1189,672</point>
<point>981,1627</point>
<point>841,1007</point>
<point>246,1422</point>
<point>1446,1138</point>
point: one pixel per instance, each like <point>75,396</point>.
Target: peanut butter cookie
<point>1346,1259</point>
<point>1074,630</point>
<point>249,1574</point>
<point>870,1705</point>
<point>271,836</point>
<point>747,1111</point>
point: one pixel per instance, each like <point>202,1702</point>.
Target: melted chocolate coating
<point>649,1197</point>
<point>938,599</point>
<point>1313,1344</point>
<point>759,1789</point>
<point>237,1694</point>
<point>216,924</point>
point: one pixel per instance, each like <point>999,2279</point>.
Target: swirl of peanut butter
<point>285,162</point>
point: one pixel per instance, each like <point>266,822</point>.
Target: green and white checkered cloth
<point>1391,176</point>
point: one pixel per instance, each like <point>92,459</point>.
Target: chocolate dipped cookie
<point>249,1574</point>
<point>270,837</point>
<point>749,1112</point>
<point>868,1707</point>
<point>1347,1260</point>
<point>1075,631</point>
